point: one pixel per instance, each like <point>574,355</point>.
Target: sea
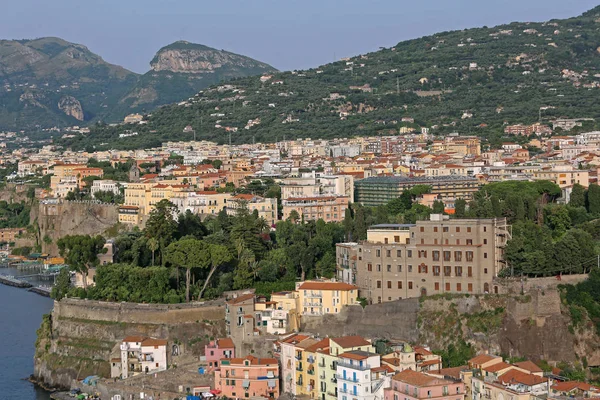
<point>20,316</point>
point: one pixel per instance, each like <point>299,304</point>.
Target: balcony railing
<point>314,295</point>
<point>347,364</point>
<point>299,368</point>
<point>346,378</point>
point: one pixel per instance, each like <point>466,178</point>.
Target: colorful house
<point>248,377</point>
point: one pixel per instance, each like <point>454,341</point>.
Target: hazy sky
<point>288,34</point>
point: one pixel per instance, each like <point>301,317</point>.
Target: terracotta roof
<point>515,376</point>
<point>482,359</point>
<point>422,351</point>
<point>356,355</point>
<point>322,344</point>
<point>347,342</point>
<point>306,343</point>
<point>154,342</point>
<point>241,299</point>
<point>326,286</point>
<point>453,372</point>
<point>294,339</point>
<point>430,362</point>
<point>529,366</point>
<point>419,379</point>
<point>572,385</point>
<point>243,196</point>
<point>225,343</point>
<point>253,361</point>
<point>134,339</point>
<point>497,367</point>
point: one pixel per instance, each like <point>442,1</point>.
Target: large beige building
<point>441,255</point>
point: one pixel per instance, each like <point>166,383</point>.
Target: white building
<point>107,185</point>
<point>142,355</point>
<point>360,376</point>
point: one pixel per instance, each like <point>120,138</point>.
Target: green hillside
<point>470,81</point>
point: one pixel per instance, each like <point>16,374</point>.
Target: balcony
<point>359,367</point>
<point>346,378</point>
<point>311,360</point>
<point>299,368</point>
<point>314,295</point>
<point>311,371</point>
<point>334,380</point>
<point>332,366</point>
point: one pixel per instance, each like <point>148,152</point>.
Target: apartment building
<point>379,190</point>
<point>413,385</point>
<point>440,255</point>
<point>217,350</point>
<point>360,376</point>
<point>239,318</point>
<point>313,185</point>
<point>265,207</point>
<point>248,377</point>
<point>327,208</point>
<point>320,298</point>
<point>142,355</point>
<point>563,176</point>
<point>107,185</point>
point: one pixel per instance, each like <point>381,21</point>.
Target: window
<point>389,268</point>
<point>484,241</point>
<point>447,286</point>
<point>457,229</point>
<point>422,241</point>
<point>468,229</point>
<point>410,268</point>
<point>379,299</point>
<point>437,286</point>
<point>422,269</point>
<point>484,255</point>
<point>397,239</point>
<point>485,228</point>
<point>399,284</point>
<point>447,270</point>
<point>398,253</point>
<point>389,283</point>
<point>435,255</point>
<point>447,255</point>
<point>445,229</point>
<point>485,270</point>
<point>378,267</point>
<point>457,242</point>
<point>422,229</point>
<point>378,284</point>
<point>388,253</point>
<point>435,228</point>
<point>436,270</point>
<point>469,255</point>
<point>469,242</point>
<point>469,272</point>
<point>410,285</point>
<point>458,271</point>
<point>409,253</point>
<point>378,253</point>
<point>458,256</point>
<point>369,267</point>
<point>470,287</point>
<point>458,287</point>
<point>399,268</point>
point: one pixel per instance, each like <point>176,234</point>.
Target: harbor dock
<point>11,281</point>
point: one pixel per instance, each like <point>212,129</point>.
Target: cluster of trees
<point>584,300</point>
<point>14,215</point>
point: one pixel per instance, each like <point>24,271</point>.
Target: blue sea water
<point>20,316</point>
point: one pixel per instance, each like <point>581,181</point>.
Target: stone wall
<point>516,285</point>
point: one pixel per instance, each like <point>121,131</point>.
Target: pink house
<point>412,385</point>
<point>248,377</point>
<point>218,350</point>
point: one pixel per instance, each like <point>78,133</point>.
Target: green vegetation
<point>583,300</point>
<point>456,355</point>
<point>493,75</point>
<point>14,215</point>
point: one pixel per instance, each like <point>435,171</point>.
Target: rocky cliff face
<point>71,106</point>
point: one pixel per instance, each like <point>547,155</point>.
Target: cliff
<point>79,337</point>
<point>55,220</point>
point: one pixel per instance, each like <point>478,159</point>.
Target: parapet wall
<point>139,313</point>
<point>527,285</point>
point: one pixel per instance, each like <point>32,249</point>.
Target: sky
<point>288,34</point>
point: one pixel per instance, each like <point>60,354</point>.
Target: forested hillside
<point>471,81</point>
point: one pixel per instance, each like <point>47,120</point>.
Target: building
<point>265,207</point>
<point>413,385</point>
<point>289,361</point>
<point>380,190</point>
<point>442,255</point>
<point>360,376</point>
<point>248,377</point>
<point>320,298</point>
<point>327,208</point>
<point>9,235</point>
<point>142,355</point>
<point>239,318</point>
<point>217,350</point>
<point>107,185</point>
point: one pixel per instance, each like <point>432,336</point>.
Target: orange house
<point>82,173</point>
<point>248,377</point>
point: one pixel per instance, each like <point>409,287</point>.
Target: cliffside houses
<point>139,355</point>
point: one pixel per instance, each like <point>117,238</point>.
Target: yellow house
<point>285,300</point>
<point>320,298</point>
<point>305,381</point>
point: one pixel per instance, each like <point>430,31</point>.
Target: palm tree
<point>153,246</point>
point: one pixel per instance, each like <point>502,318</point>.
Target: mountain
<point>51,82</point>
<point>181,69</point>
<point>468,81</point>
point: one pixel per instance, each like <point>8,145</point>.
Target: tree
<point>243,276</point>
<point>348,224</point>
<point>62,285</point>
<point>577,196</point>
<point>188,254</point>
<point>438,207</point>
<point>219,255</point>
<point>161,224</point>
<point>593,199</point>
<point>360,224</point>
<point>460,208</point>
<point>153,246</point>
<point>81,252</point>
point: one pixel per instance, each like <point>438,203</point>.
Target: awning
<point>271,383</point>
<point>246,383</point>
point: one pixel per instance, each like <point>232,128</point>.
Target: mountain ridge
<point>472,81</point>
<point>48,81</point>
